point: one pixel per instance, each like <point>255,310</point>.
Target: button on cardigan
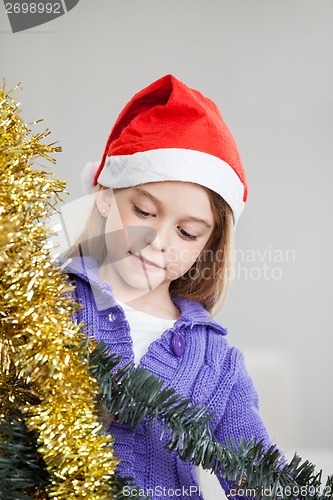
<point>195,359</point>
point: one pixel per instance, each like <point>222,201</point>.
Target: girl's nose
<point>157,244</point>
<point>140,237</point>
<point>158,241</point>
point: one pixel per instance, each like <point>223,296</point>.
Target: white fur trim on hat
<point>88,175</point>
<point>175,164</point>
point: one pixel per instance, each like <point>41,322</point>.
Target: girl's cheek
<point>173,273</point>
<point>173,256</point>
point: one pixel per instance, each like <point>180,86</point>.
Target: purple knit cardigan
<point>195,359</point>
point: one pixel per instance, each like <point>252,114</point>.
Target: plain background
<point>268,66</point>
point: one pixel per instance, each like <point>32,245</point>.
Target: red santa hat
<point>170,132</point>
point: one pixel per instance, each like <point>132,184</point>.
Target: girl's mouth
<point>143,262</point>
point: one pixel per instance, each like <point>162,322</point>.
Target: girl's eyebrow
<point>155,200</point>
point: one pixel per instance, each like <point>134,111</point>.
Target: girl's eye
<point>187,235</point>
<point>141,212</point>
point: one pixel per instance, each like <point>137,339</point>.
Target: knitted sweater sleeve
<point>241,418</point>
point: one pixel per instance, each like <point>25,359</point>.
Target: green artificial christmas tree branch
<point>132,395</point>
<point>22,468</point>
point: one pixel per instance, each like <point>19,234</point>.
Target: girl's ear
<point>104,200</point>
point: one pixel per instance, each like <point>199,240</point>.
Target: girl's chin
<point>140,279</point>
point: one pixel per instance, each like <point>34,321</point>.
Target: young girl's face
<point>154,232</point>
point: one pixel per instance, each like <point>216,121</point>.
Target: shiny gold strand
<point>40,348</point>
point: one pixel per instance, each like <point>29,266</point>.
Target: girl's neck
<point>156,302</point>
<point>147,305</point>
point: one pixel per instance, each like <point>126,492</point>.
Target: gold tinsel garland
<point>41,350</point>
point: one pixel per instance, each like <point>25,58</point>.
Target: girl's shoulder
<point>82,272</point>
<point>194,313</point>
<point>85,268</point>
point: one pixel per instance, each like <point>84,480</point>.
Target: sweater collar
<point>191,312</point>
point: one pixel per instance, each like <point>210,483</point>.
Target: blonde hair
<point>207,281</point>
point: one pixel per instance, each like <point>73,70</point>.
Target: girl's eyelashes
<point>187,235</point>
<point>143,214</point>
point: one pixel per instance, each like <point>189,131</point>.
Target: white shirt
<point>145,328</point>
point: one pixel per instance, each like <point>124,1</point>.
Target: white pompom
<point>88,175</point>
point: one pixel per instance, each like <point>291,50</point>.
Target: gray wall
<point>268,66</point>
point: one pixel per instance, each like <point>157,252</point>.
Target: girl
<point>152,268</point>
